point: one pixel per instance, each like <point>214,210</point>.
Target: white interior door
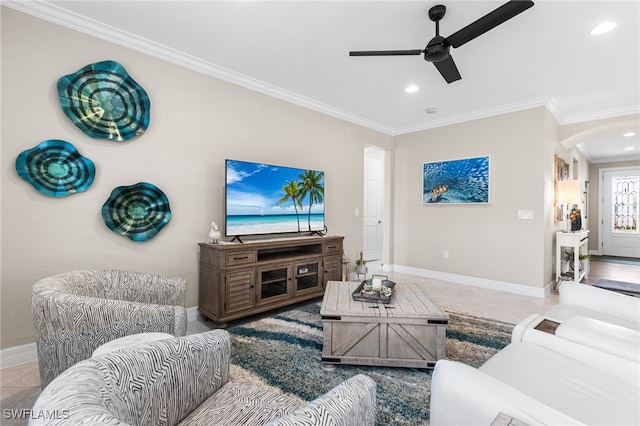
<point>373,204</point>
<point>620,207</point>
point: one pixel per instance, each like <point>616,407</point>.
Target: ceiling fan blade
<point>448,69</point>
<point>488,22</point>
<point>385,52</point>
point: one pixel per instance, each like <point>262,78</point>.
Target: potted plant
<point>582,259</point>
<point>360,265</point>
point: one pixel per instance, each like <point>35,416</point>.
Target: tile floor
<point>20,385</point>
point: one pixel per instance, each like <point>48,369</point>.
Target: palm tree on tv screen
<point>310,182</point>
<point>292,192</point>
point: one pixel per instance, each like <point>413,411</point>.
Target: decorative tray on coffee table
<point>366,293</point>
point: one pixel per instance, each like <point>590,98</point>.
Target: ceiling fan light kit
<point>437,50</point>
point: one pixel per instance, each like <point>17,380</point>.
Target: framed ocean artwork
<point>462,181</point>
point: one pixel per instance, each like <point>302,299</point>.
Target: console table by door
<point>577,241</point>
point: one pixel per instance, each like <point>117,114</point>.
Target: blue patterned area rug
<point>284,351</point>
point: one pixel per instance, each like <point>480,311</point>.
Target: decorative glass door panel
<point>626,203</point>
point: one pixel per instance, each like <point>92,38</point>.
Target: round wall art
<point>105,102</point>
<point>56,168</point>
<point>138,211</point>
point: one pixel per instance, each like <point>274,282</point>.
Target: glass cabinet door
<point>274,283</point>
<point>307,276</point>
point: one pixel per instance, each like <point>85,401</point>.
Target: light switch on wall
<point>525,214</point>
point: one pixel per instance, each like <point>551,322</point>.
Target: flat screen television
<point>268,199</point>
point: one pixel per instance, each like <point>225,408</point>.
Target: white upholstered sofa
<point>586,373</point>
<point>185,381</point>
<point>593,302</point>
<point>591,325</point>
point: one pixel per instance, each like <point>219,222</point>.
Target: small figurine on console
<point>214,234</point>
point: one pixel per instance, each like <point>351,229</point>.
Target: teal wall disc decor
<point>56,168</point>
<point>105,102</point>
<point>137,212</point>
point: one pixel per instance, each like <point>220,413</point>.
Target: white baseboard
<point>17,355</point>
<point>522,290</point>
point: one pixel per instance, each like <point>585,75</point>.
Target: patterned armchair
<point>185,381</point>
<point>75,312</point>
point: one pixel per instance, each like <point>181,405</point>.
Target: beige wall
<point>483,241</point>
<point>196,122</point>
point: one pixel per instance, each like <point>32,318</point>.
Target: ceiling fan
<point>437,50</point>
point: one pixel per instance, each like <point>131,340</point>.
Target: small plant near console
<point>361,265</point>
<point>568,257</point>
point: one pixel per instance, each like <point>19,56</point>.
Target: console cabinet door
<point>240,290</point>
<point>307,277</point>
<point>273,284</point>
<point>332,268</point>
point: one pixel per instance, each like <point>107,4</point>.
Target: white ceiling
<point>298,51</point>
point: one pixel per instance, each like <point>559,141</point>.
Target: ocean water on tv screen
<point>268,224</point>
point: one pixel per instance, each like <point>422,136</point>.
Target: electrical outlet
<point>445,254</point>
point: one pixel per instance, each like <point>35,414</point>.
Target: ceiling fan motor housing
<point>436,50</point>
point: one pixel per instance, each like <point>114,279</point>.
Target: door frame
<point>382,154</point>
<point>601,189</point>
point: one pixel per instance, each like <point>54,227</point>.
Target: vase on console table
<point>361,270</point>
<point>572,265</point>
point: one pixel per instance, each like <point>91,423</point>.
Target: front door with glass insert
<point>620,207</point>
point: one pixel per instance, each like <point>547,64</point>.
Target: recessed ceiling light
<point>431,110</point>
<point>630,148</point>
<point>603,28</point>
<point>411,89</point>
<point>629,134</point>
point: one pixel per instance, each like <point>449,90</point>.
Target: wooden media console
<point>241,279</point>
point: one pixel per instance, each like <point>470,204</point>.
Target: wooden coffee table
<point>410,331</point>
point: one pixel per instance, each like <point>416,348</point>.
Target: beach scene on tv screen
<point>266,199</point>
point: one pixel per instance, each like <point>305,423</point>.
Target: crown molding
<point>53,13</point>
<point>547,102</point>
<point>50,12</point>
<point>586,154</point>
